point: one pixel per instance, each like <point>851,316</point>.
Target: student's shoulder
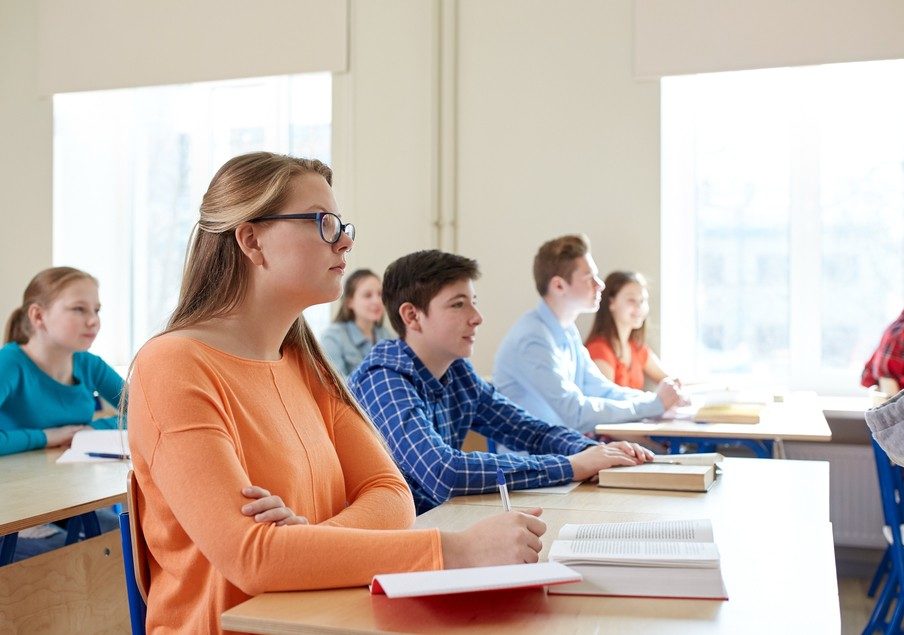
<point>171,350</point>
<point>85,361</point>
<point>600,348</point>
<point>333,331</point>
<point>11,354</point>
<point>529,330</point>
<point>386,358</point>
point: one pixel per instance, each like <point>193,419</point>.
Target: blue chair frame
<point>134,560</point>
<point>762,449</point>
<point>137,607</point>
<point>86,523</point>
<point>891,490</point>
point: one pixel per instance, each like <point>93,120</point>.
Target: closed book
<point>729,413</point>
<point>698,458</point>
<point>449,581</point>
<point>669,559</point>
<point>681,478</point>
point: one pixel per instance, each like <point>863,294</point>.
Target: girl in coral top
<point>237,393</point>
<point>616,340</point>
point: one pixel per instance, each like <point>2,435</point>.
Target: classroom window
<point>131,165</point>
<point>783,204</point>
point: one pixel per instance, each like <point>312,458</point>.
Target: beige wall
<point>555,136</point>
<point>521,119</point>
<point>25,157</point>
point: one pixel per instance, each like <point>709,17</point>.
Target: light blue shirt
<point>546,370</point>
<point>32,401</point>
<point>346,345</point>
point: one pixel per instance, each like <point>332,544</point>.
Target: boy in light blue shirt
<point>542,364</point>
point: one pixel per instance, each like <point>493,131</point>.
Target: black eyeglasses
<point>331,226</point>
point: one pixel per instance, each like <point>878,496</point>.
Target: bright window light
<point>131,165</point>
<point>782,222</point>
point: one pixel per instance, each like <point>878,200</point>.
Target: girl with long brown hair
<point>237,391</point>
<point>358,325</point>
<point>617,340</point>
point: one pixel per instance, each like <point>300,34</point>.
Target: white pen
<point>503,490</point>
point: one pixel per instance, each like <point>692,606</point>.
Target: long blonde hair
<point>215,277</point>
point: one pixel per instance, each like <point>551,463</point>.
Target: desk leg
<point>8,547</point>
<point>778,449</point>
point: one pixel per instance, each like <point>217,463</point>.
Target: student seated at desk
<point>236,392</point>
<point>888,359</point>
<point>541,363</point>
<point>424,395</point>
<point>616,342</point>
<point>358,324</point>
<point>48,380</point>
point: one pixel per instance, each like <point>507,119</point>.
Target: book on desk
<point>668,559</point>
<point>729,413</point>
<point>661,476</point>
<point>471,580</point>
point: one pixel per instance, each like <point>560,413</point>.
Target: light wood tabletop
<point>37,490</point>
<point>798,418</point>
<point>777,561</point>
<point>745,490</point>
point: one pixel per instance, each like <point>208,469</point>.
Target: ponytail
<point>17,327</point>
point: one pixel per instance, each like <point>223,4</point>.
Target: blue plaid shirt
<point>424,421</point>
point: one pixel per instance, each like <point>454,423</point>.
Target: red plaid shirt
<point>888,360</point>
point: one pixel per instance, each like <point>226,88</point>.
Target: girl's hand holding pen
<point>267,508</point>
<point>509,538</point>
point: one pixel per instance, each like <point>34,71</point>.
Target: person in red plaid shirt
<point>888,360</point>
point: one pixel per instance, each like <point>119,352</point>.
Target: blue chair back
<point>891,491</point>
<point>134,559</point>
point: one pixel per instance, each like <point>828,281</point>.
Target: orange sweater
<point>203,424</point>
<point>630,376</point>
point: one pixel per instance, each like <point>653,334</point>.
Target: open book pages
<point>447,581</point>
<point>674,558</point>
<point>664,476</point>
<point>114,444</point>
<point>700,458</point>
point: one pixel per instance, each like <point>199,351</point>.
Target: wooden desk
<point>34,489</point>
<point>798,418</point>
<point>744,493</point>
<point>77,588</point>
<point>779,572</point>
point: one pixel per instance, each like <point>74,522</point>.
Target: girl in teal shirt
<point>48,380</point>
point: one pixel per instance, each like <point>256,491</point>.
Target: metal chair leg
<point>881,570</point>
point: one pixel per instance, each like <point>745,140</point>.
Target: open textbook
<point>668,558</point>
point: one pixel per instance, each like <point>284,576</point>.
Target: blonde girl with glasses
<point>236,391</point>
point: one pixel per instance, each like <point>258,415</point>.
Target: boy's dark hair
<point>418,277</point>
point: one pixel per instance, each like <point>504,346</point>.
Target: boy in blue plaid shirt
<point>424,395</point>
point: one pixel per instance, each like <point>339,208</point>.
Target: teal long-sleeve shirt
<point>32,401</point>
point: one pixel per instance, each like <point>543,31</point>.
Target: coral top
<point>630,376</point>
<point>204,424</point>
